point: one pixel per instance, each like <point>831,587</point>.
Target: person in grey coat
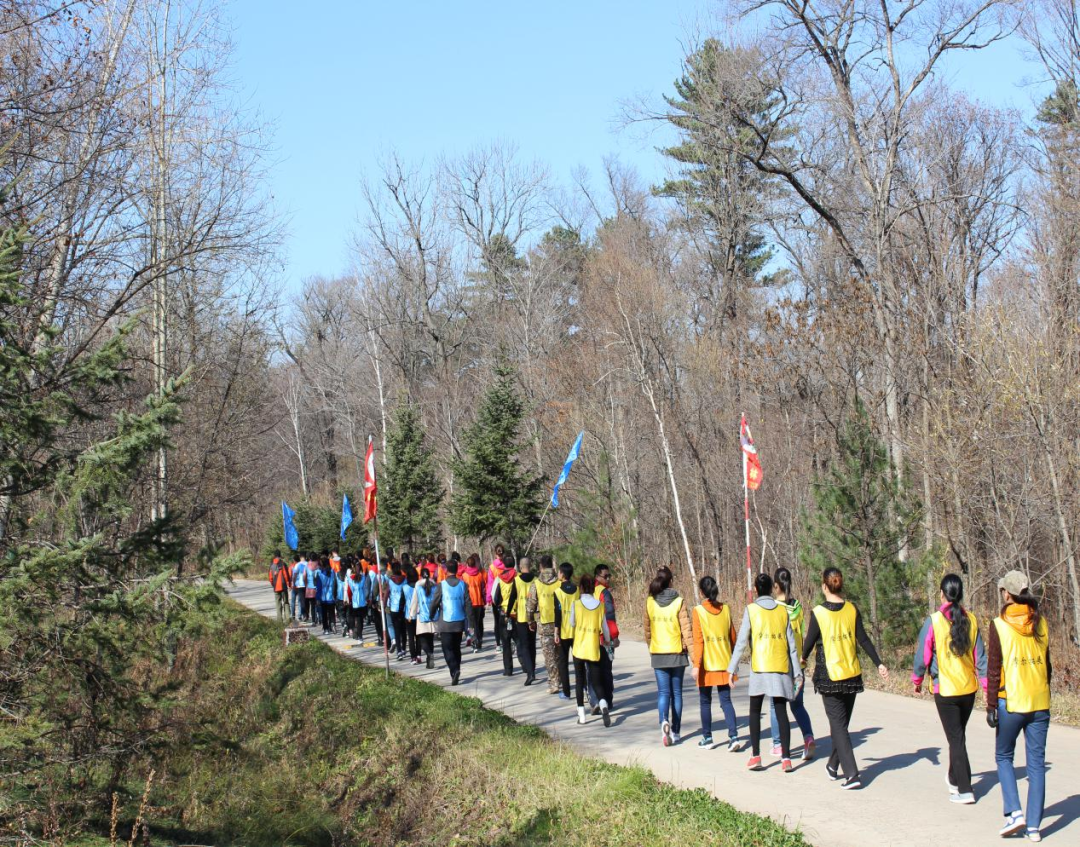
<point>776,669</point>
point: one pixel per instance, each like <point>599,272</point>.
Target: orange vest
<point>476,585</point>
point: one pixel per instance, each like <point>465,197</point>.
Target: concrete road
<point>899,744</point>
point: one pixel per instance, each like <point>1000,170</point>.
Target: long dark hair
<point>709,588</point>
<point>587,584</point>
<point>952,587</point>
<point>782,578</point>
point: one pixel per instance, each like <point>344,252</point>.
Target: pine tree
<point>410,493</point>
<point>494,496</point>
<point>719,191</point>
<point>851,528</point>
<point>90,600</point>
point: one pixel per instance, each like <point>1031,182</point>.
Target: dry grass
<point>304,747</point>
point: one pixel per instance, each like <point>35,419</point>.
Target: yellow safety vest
<point>1024,685</point>
<point>521,614</point>
<point>545,600</point>
<point>838,639</point>
<point>768,639</point>
<point>956,674</point>
<point>598,591</point>
<point>715,638</point>
<point>588,631</point>
<point>566,602</point>
<point>504,594</point>
<point>665,635</point>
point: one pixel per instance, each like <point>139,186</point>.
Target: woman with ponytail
<point>951,650</point>
<point>786,598</point>
<point>713,640</point>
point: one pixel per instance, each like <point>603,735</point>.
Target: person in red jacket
<point>281,582</point>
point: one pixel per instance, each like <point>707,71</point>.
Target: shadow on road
<point>897,762</point>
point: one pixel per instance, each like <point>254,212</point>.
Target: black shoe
<point>454,679</point>
<point>607,716</point>
<point>430,662</point>
<point>851,783</point>
<point>508,673</point>
<point>529,680</point>
<point>596,710</point>
<point>834,773</point>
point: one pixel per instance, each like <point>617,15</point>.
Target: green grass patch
<point>306,747</point>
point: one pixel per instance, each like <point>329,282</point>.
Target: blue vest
<point>326,586</point>
<point>423,604</point>
<point>397,594</point>
<point>453,601</point>
<point>409,591</point>
<point>359,589</point>
<point>340,587</point>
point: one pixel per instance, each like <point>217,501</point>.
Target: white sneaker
<point>967,799</point>
<point>1034,835</point>
<point>1014,823</point>
<point>675,738</point>
<point>581,715</point>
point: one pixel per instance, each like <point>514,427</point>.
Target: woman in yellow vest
<point>951,650</point>
<point>1018,700</point>
<point>775,670</point>
<point>832,632</point>
<point>714,638</point>
<point>785,597</point>
<point>591,635</point>
<point>667,632</point>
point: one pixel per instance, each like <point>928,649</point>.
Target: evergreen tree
<point>410,494</point>
<point>90,599</point>
<point>719,190</point>
<point>851,528</point>
<point>494,496</point>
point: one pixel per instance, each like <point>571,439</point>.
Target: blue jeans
<point>669,695</point>
<point>390,631</point>
<point>705,702</point>
<point>296,594</point>
<point>1034,725</point>
<point>802,718</point>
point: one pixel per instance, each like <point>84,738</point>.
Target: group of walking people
<point>577,626</point>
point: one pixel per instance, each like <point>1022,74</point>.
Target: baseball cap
<point>1015,582</point>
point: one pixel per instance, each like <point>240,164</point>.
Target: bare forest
<point>849,249</point>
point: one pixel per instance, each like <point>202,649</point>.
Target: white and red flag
<point>371,490</point>
<point>751,462</point>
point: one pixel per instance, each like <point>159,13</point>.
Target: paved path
<point>899,745</point>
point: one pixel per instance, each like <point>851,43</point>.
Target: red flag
<point>752,462</point>
<point>370,488</point>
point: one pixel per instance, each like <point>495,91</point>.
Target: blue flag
<point>566,469</point>
<point>292,537</point>
<point>346,516</point>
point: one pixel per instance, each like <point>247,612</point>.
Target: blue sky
<point>343,82</point>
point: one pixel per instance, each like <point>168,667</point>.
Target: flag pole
<point>537,530</point>
<point>382,606</point>
<point>746,519</point>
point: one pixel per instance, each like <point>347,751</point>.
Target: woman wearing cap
<point>833,630</point>
<point>1018,700</point>
<point>951,650</point>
